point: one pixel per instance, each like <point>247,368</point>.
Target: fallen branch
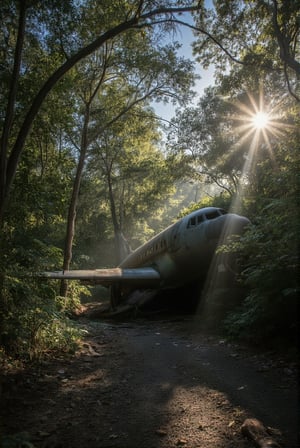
<point>255,430</point>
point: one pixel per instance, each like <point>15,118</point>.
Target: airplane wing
<point>107,276</point>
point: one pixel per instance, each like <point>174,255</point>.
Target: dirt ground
<point>152,383</point>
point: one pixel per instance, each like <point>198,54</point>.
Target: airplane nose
<point>235,224</point>
<point>226,225</point>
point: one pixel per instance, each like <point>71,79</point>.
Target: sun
<point>260,120</point>
<point>257,125</point>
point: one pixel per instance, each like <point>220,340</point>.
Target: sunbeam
<point>255,126</point>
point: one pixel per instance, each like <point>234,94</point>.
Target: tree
<point>134,170</point>
<point>202,137</point>
<point>93,79</point>
<point>220,136</point>
<point>127,73</point>
<point>138,15</point>
<point>258,35</point>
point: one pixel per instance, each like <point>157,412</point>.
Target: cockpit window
<point>195,220</point>
<point>198,219</point>
<point>192,222</point>
<point>212,215</point>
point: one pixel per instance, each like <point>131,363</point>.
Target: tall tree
<point>93,79</point>
<point>127,73</point>
<point>135,173</point>
<point>123,17</point>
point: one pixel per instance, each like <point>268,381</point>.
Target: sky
<point>185,38</point>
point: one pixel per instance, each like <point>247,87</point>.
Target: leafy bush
<point>34,319</point>
<point>19,440</point>
<point>268,254</point>
<point>224,200</point>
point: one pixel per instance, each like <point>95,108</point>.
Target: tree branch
<point>211,37</point>
<point>283,42</point>
<point>62,70</point>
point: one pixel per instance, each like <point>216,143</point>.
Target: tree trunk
<point>122,248</point>
<point>116,226</point>
<point>10,108</point>
<point>74,201</point>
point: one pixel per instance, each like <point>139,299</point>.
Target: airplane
<point>177,257</point>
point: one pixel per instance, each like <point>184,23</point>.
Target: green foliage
<point>33,326</point>
<point>257,39</point>
<point>19,440</point>
<point>268,255</point>
<point>134,175</point>
<point>223,201</point>
<point>125,168</point>
<point>34,320</point>
<point>270,309</point>
<point>204,138</point>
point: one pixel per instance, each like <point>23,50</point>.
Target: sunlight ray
<point>258,125</point>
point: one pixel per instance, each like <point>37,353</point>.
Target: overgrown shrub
<point>33,318</point>
<point>269,256</point>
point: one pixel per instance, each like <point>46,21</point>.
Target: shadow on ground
<point>139,384</point>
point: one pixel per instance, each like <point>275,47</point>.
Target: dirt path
<point>148,384</point>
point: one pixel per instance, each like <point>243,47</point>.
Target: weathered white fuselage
<point>183,251</point>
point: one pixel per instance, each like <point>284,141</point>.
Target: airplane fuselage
<point>185,249</point>
<point>179,255</point>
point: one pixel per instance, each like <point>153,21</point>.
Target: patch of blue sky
<point>186,37</point>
